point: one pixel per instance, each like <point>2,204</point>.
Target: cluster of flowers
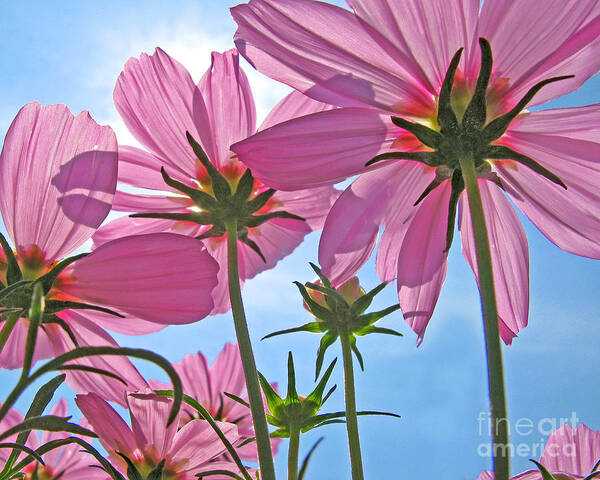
<point>398,93</point>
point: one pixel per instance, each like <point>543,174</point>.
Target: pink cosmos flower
<point>569,454</point>
<point>389,58</point>
<point>208,385</point>
<point>58,175</point>
<point>186,451</point>
<point>159,103</point>
<point>69,462</point>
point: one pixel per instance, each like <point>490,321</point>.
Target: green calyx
<point>339,316</point>
<point>146,470</point>
<point>226,203</point>
<point>469,134</point>
<point>16,296</point>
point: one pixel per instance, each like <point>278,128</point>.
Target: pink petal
<point>115,435</point>
<point>410,182</point>
<point>136,202</point>
<point>158,101</point>
<point>318,149</point>
<point>195,377</point>
<point>196,443</point>
<point>229,102</point>
<point>422,262</point>
<point>149,415</point>
<point>60,409</point>
<point>569,218</point>
<point>426,33</point>
<point>325,52</point>
<point>510,256</point>
<point>573,451</point>
<point>58,175</point>
<point>13,352</point>
<point>529,47</point>
<point>486,475</point>
<point>13,417</point>
<point>227,374</point>
<point>88,333</point>
<point>162,277</point>
<point>312,204</point>
<point>129,325</point>
<point>296,104</point>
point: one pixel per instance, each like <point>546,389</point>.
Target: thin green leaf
<point>306,460</point>
<point>212,473</point>
<point>22,448</point>
<point>50,423</point>
<point>12,287</point>
<point>99,371</point>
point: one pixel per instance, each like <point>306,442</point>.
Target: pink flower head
<point>208,385</point>
<point>69,461</point>
<point>185,451</point>
<point>388,59</point>
<point>58,174</point>
<point>569,454</point>
<point>160,104</point>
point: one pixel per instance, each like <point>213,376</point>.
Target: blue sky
<point>73,53</point>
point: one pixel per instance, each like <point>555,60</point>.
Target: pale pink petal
<point>294,105</point>
<point>115,435</point>
<point>318,149</point>
<point>149,415</point>
<point>565,142</point>
<point>529,47</point>
<point>125,226</point>
<point>13,352</point>
<point>229,103</point>
<point>129,325</point>
<point>325,52</point>
<point>422,262</point>
<point>13,417</point>
<point>87,334</point>
<point>60,409</point>
<point>276,239</point>
<point>158,101</point>
<point>194,372</point>
<point>510,256</point>
<point>196,443</point>
<point>410,181</point>
<point>427,33</point>
<point>486,475</point>
<point>224,466</point>
<point>312,204</point>
<point>573,451</point>
<point>227,374</point>
<point>58,175</point>
<point>162,277</point>
<point>139,203</point>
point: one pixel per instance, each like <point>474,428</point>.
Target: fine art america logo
<point>528,435</point>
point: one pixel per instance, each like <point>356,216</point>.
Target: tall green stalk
<point>259,419</point>
<point>351,417</point>
<point>490,321</point>
<point>293,453</point>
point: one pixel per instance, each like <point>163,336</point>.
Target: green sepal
<point>546,475</point>
<point>446,117</point>
<point>372,329</point>
<point>260,200</point>
<point>316,396</point>
<point>274,402</point>
<point>326,282</point>
<point>220,185</point>
<point>54,319</point>
<point>245,186</point>
<point>212,473</point>
<point>55,306</point>
<point>304,466</point>
<point>593,475</point>
<point>503,152</point>
<point>370,318</point>
<point>292,394</point>
<point>328,394</point>
<point>496,128</point>
<point>13,287</point>
<point>316,309</point>
<point>356,351</point>
<point>257,220</point>
<point>458,185</point>
<point>13,271</point>
<point>132,471</point>
<point>202,199</point>
<point>476,112</point>
<point>428,158</point>
<point>201,218</point>
<point>312,327</point>
<point>327,341</point>
<point>252,244</point>
<point>425,135</point>
<point>596,467</point>
<point>364,302</point>
<point>157,473</point>
<point>327,418</point>
<point>436,182</point>
<point>48,279</point>
<point>214,231</point>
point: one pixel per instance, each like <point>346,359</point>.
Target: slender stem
<point>351,417</point>
<point>490,322</point>
<point>7,329</point>
<point>293,453</point>
<point>261,430</point>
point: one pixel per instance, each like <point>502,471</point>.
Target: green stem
<point>490,321</point>
<point>351,417</point>
<point>261,430</point>
<point>293,453</point>
<point>7,329</point>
